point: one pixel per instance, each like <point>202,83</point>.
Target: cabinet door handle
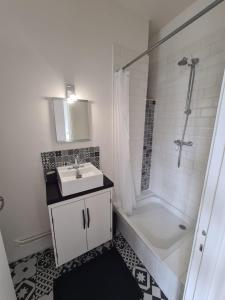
<point>88,216</point>
<point>2,203</point>
<point>84,221</point>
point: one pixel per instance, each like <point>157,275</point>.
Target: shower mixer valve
<point>188,111</point>
<point>183,143</point>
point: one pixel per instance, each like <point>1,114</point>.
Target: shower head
<point>195,61</point>
<point>183,61</point>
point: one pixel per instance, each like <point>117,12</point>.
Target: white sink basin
<point>69,184</point>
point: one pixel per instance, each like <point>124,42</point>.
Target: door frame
<point>7,290</point>
<point>209,201</point>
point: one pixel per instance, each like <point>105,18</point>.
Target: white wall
<point>137,91</point>
<point>43,44</point>
<point>205,40</point>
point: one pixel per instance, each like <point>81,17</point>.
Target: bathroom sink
<point>75,180</point>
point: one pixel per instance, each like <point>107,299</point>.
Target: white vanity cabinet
<point>80,224</point>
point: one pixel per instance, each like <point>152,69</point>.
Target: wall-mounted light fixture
<point>72,116</point>
<point>70,93</point>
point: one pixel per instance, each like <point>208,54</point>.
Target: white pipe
<point>32,238</point>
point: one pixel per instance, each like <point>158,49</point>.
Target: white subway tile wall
<point>138,90</point>
<point>168,85</point>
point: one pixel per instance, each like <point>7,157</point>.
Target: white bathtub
<point>154,233</point>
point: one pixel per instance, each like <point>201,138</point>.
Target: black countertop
<point>54,195</point>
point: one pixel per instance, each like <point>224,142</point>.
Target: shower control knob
<point>201,248</point>
<point>204,233</point>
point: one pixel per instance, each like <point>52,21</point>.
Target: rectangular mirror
<point>72,120</point>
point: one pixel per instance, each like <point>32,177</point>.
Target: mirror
<point>72,120</point>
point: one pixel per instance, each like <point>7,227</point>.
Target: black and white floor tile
<point>33,276</point>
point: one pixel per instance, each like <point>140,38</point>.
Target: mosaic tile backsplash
<point>52,160</point>
<point>147,147</point>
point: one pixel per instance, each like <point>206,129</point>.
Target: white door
<point>208,202</point>
<point>210,282</point>
<point>70,231</point>
<point>98,210</point>
<point>7,291</point>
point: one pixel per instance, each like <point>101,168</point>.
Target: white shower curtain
<point>123,179</point>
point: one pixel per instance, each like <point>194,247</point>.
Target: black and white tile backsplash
<point>53,159</point>
<point>147,147</point>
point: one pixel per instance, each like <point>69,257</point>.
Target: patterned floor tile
<point>120,242</point>
<point>47,297</point>
<point>25,290</point>
<point>142,276</point>
<point>147,297</point>
<point>129,257</point>
<point>33,276</point>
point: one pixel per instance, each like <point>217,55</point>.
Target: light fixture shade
<point>70,93</point>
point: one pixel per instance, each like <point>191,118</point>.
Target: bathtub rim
<point>142,199</point>
<point>160,253</point>
<point>168,281</point>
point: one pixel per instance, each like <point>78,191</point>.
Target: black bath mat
<point>104,278</point>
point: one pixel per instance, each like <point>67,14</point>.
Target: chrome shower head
<point>195,61</point>
<point>183,61</point>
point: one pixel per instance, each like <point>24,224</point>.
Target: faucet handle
<point>177,142</point>
<point>76,160</point>
<point>189,144</point>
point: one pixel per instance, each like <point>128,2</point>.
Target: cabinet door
<point>69,231</point>
<point>98,209</point>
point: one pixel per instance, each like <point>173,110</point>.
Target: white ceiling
<point>160,12</point>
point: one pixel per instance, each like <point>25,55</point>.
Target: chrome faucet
<point>76,163</point>
<point>181,143</point>
<point>77,166</point>
<point>78,174</point>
